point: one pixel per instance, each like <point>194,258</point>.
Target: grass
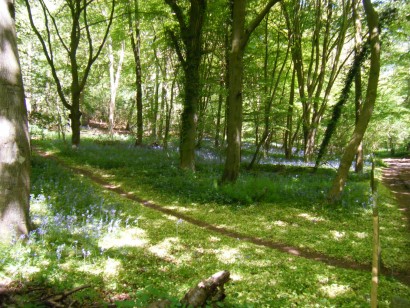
<point>133,255</point>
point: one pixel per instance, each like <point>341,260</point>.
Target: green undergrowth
<point>86,235</point>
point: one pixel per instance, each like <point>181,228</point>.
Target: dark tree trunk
<point>136,48</point>
<point>191,36</point>
<point>14,136</point>
<point>239,40</point>
<point>358,83</point>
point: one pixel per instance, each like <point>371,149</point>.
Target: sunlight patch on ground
<point>163,249</point>
<point>227,255</point>
<point>214,239</point>
<point>337,235</point>
<point>112,267</point>
<point>334,290</point>
<point>361,235</point>
<point>310,217</point>
<point>280,223</point>
<point>132,237</point>
<point>236,277</point>
<point>25,271</point>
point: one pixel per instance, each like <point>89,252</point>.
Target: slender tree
<point>135,36</point>
<point>80,30</point>
<point>115,75</point>
<point>14,136</point>
<point>239,41</point>
<point>358,99</point>
<point>189,54</point>
<point>368,105</point>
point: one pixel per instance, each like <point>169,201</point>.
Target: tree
<point>114,82</point>
<point>14,136</point>
<point>239,41</point>
<point>190,32</point>
<point>135,36</point>
<point>368,105</point>
<point>316,76</point>
<point>78,13</point>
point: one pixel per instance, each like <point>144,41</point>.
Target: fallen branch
<point>58,299</point>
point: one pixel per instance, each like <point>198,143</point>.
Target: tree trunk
<point>191,36</point>
<point>358,82</point>
<point>219,112</point>
<point>234,108</point>
<point>136,48</point>
<point>368,106</point>
<point>289,119</point>
<point>240,38</point>
<point>14,136</point>
<point>114,83</point>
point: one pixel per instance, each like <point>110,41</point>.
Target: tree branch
<point>257,20</point>
<point>177,47</point>
<point>178,14</point>
<point>48,57</point>
<point>92,59</point>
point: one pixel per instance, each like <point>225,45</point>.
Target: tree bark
<point>358,82</point>
<point>191,36</point>
<point>14,136</point>
<point>239,40</point>
<point>368,105</point>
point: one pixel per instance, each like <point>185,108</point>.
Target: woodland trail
<point>403,276</point>
<point>397,178</point>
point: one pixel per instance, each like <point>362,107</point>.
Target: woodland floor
<point>396,177</point>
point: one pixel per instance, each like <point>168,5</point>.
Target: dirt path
<point>296,251</point>
<point>397,178</point>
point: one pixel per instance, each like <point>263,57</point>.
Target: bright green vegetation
<point>86,235</point>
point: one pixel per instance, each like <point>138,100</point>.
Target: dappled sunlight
<point>311,218</point>
<point>337,235</point>
<point>361,235</point>
<point>131,237</point>
<point>280,223</point>
<point>228,255</point>
<point>334,290</point>
<point>165,248</point>
<point>214,239</point>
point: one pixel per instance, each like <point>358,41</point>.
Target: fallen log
<point>207,292</point>
<point>210,290</point>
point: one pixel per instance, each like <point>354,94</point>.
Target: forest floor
<point>397,178</point>
<point>114,252</point>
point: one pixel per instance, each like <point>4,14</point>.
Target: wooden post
<point>376,241</point>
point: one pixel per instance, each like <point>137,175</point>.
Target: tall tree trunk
<point>368,105</point>
<point>358,81</point>
<point>239,40</point>
<point>136,50</point>
<point>234,108</point>
<point>289,119</point>
<point>191,36</point>
<point>114,83</point>
<point>219,112</point>
<point>14,136</point>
